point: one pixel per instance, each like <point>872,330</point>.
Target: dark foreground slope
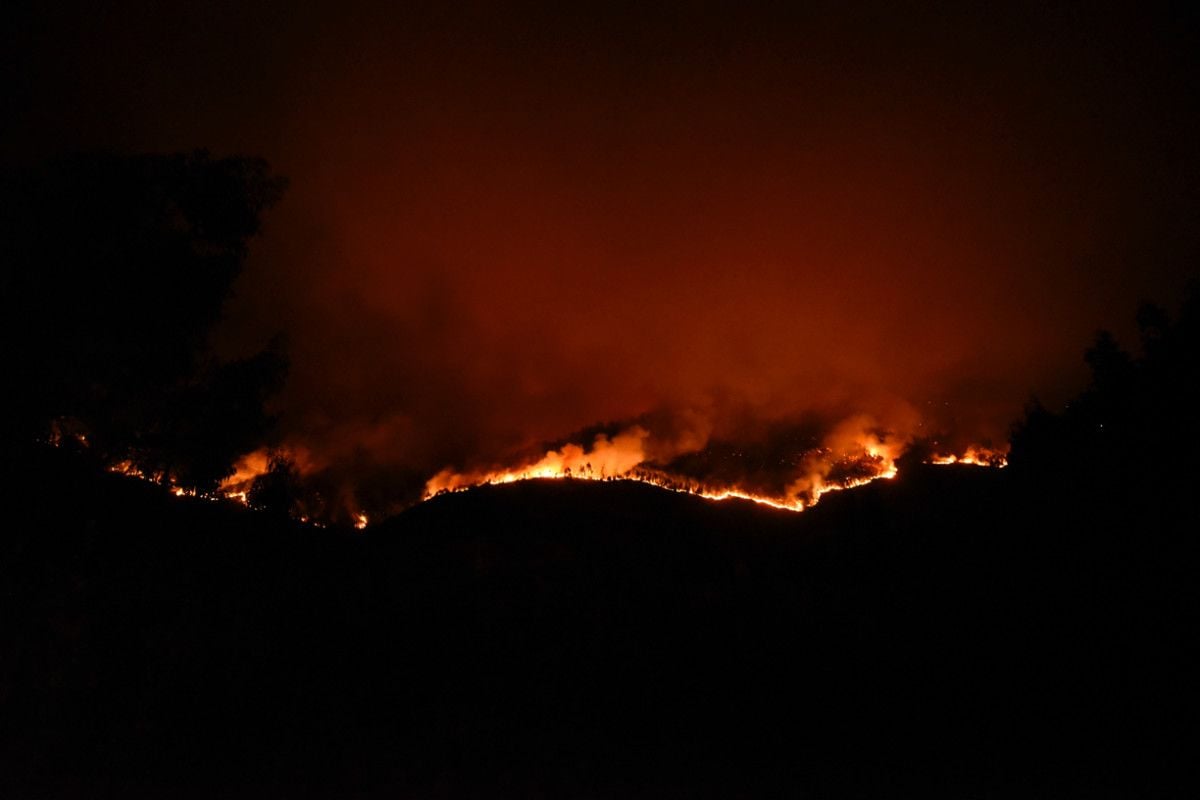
<point>956,631</point>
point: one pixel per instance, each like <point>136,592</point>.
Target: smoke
<point>756,236</point>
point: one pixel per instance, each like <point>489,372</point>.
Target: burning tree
<point>277,490</point>
<point>115,270</point>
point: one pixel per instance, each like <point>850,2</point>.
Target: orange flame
<point>855,453</point>
<point>853,456</point>
<point>235,488</point>
<point>974,456</point>
<point>607,459</point>
<point>245,470</point>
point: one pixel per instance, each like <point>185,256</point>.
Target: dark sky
<point>506,224</point>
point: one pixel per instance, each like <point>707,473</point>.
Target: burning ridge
<point>852,455</point>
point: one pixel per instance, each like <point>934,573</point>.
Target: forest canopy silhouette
<point>116,270</point>
<point>1131,428</point>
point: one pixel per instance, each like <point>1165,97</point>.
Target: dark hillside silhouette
<point>759,291</point>
<point>115,269</point>
<point>956,632</point>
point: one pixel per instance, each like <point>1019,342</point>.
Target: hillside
<point>956,631</point>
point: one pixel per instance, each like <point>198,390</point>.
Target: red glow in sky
<point>507,225</point>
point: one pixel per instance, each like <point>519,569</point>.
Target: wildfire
<point>248,467</point>
<point>462,484</point>
<point>128,469</point>
<point>237,487</point>
<point>853,455</point>
<point>226,491</point>
<point>615,458</point>
<point>974,456</point>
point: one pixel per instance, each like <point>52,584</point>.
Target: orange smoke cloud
<point>506,226</point>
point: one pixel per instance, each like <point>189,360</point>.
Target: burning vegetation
<point>973,456</point>
<point>158,244</point>
<point>853,454</point>
<point>269,479</point>
<point>236,488</point>
<point>275,479</point>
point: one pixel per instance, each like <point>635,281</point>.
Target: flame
<point>853,455</point>
<point>127,468</point>
<point>245,470</point>
<point>235,488</point>
<point>975,456</point>
<point>607,459</point>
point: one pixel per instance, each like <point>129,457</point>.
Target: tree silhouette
<point>115,270</point>
<point>218,416</point>
<point>277,490</point>
<point>1133,427</point>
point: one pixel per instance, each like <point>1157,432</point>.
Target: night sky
<point>507,224</point>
